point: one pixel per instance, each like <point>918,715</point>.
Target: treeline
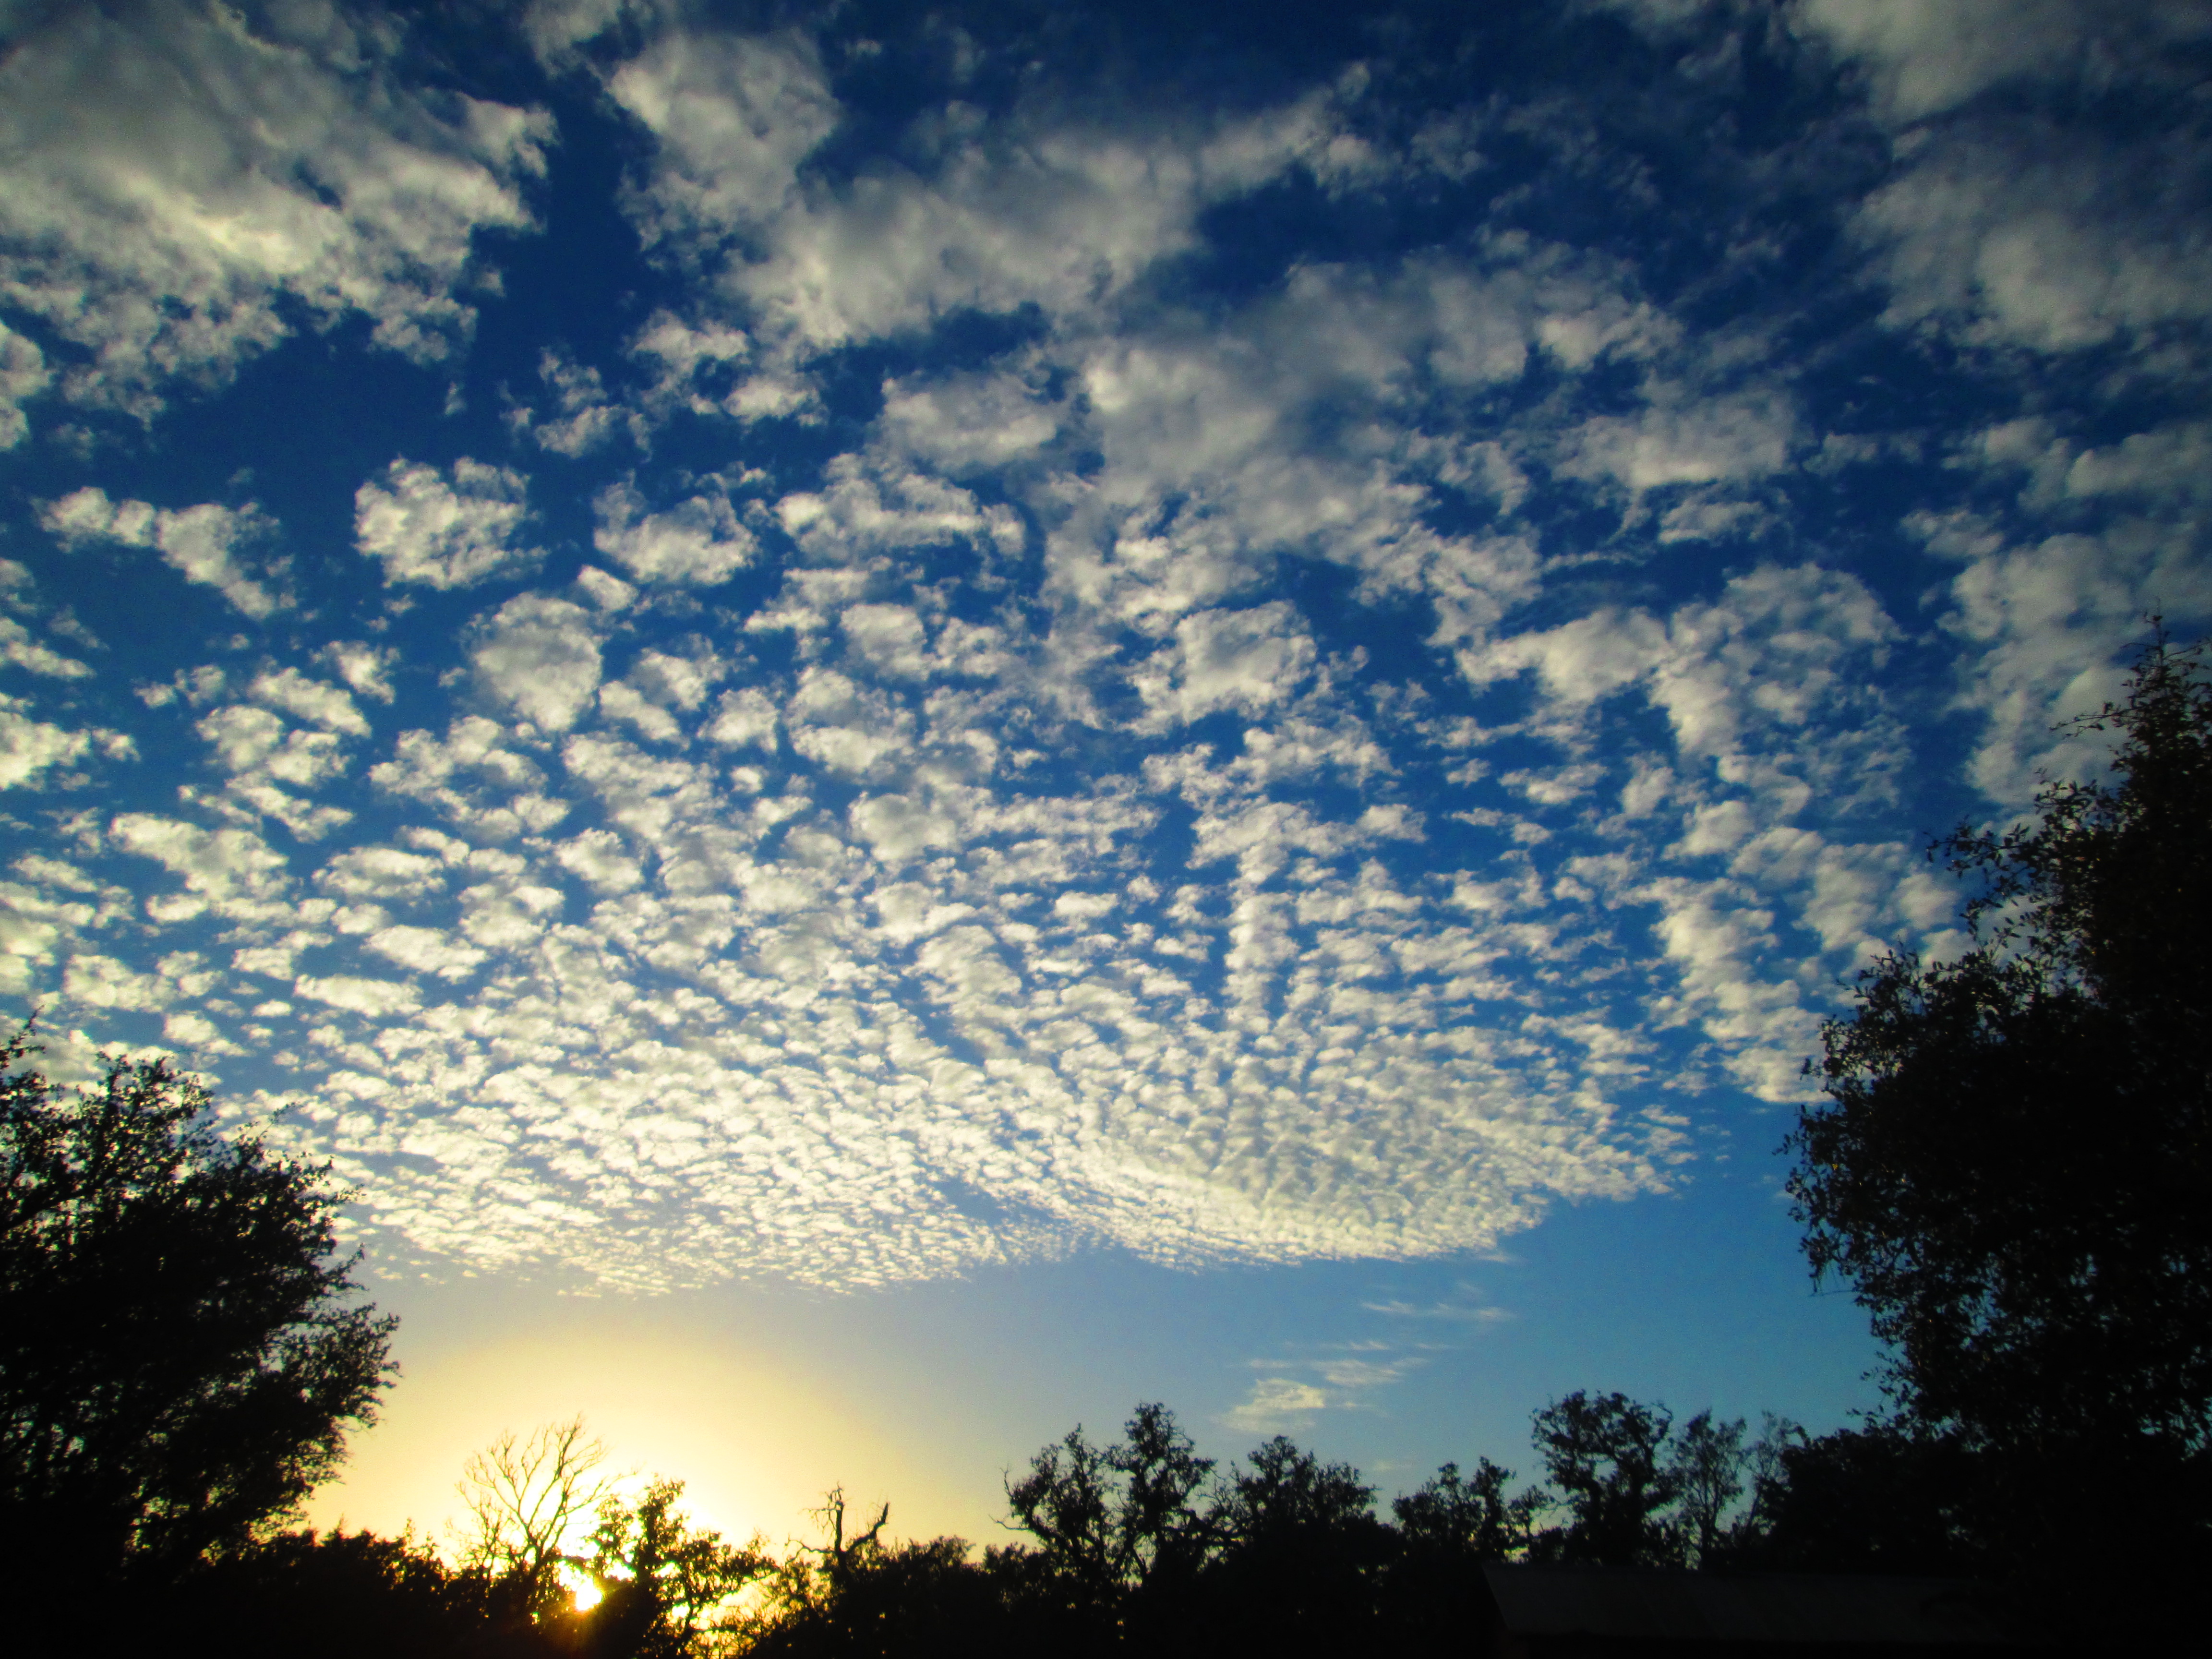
<point>1136,1544</point>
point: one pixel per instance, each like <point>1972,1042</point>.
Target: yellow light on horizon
<point>755,1444</point>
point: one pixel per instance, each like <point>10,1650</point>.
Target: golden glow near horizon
<point>755,1444</point>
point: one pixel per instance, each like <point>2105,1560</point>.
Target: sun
<point>583,1591</point>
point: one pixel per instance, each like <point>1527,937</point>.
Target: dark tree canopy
<point>2013,1168</point>
<point>1606,1455</point>
<point>178,1354</point>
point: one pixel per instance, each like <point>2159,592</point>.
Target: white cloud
<point>733,116</point>
<point>697,542</point>
<point>1928,55</point>
<point>366,668</point>
<point>430,533</point>
<point>23,376</point>
<point>382,872</point>
<point>599,858</point>
<point>867,507</point>
<point>376,999</point>
<point>1681,440</point>
<point>426,950</point>
<point>30,748</point>
<point>1245,660</point>
<point>230,872</point>
<point>581,418</point>
<point>293,693</point>
<point>968,423</point>
<point>203,543</point>
<point>2032,240</point>
<point>474,777</point>
<point>2051,618</point>
<point>743,719</point>
<point>19,650</point>
<point>1276,1405</point>
<point>540,656</point>
<point>180,176</point>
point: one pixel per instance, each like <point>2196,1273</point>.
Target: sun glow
<point>583,1589</point>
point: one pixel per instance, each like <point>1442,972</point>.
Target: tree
<point>1158,1534</point>
<point>529,1502</point>
<point>1605,1455</point>
<point>179,1353</point>
<point>1301,1555</point>
<point>2013,1165</point>
<point>854,1596</point>
<point>663,1583</point>
<point>1468,1521</point>
<point>1068,1501</point>
<point>1706,1467</point>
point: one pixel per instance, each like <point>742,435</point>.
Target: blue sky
<point>961,715</point>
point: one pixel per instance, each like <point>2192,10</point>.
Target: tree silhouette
<point>179,1359</point>
<point>1464,1522</point>
<point>1706,1466</point>
<point>1605,1453</point>
<point>1302,1554</point>
<point>529,1501</point>
<point>665,1587</point>
<point>2013,1168</point>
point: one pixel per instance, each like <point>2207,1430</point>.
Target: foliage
<point>178,1355</point>
<point>2013,1167</point>
<point>1468,1521</point>
<point>665,1589</point>
<point>855,1595</point>
<point>1606,1455</point>
<point>1706,1468</point>
<point>1879,1499</point>
<point>337,1595</point>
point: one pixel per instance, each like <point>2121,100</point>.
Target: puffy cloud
<point>29,748</point>
<point>23,375</point>
<point>599,858</point>
<point>1097,846</point>
<point>1928,55</point>
<point>20,650</point>
<point>291,692</point>
<point>474,777</point>
<point>2032,238</point>
<point>203,543</point>
<point>179,176</point>
<point>382,872</point>
<point>967,423</point>
<point>539,656</point>
<point>433,532</point>
<point>375,999</point>
<point>426,950</point>
<point>868,508</point>
<point>1276,1404</point>
<point>743,719</point>
<point>269,763</point>
<point>1679,440</point>
<point>698,541</point>
<point>581,418</point>
<point>1240,659</point>
<point>230,872</point>
<point>366,668</point>
<point>733,116</point>
<point>2050,617</point>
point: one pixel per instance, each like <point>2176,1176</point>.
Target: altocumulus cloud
<point>1226,675</point>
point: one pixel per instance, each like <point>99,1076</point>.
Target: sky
<point>903,723</point>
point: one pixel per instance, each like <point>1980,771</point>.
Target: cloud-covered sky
<point>849,646</point>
